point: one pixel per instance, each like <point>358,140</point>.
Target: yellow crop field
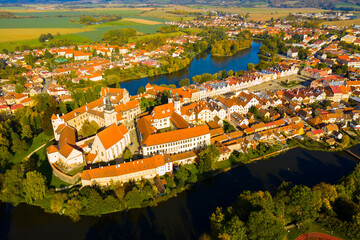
<point>343,23</point>
<point>142,21</point>
<point>19,34</point>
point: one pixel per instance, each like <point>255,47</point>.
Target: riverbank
<point>174,191</point>
<point>185,216</point>
<point>232,54</point>
<point>202,63</point>
<point>191,57</point>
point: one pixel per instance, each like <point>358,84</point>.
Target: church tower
<point>109,112</point>
<point>177,105</point>
<point>170,98</point>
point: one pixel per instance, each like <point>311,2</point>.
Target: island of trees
<point>265,215</point>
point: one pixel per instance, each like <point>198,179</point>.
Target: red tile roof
<point>177,135</point>
<point>111,135</point>
<point>124,168</point>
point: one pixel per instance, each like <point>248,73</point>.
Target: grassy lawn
<point>223,164</point>
<point>57,183</point>
<point>37,142</point>
<point>293,233</point>
<point>75,171</point>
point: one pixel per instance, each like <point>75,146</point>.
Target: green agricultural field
<point>50,22</point>
<point>125,13</point>
<point>118,23</point>
<point>99,31</point>
<point>50,13</point>
<point>167,35</point>
<point>33,43</point>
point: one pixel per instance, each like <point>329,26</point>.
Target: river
<point>187,215</point>
<point>202,63</point>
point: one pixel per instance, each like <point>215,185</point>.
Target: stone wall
<point>64,177</point>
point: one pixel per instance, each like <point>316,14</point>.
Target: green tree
<point>34,186</point>
<point>94,203</point>
<point>303,203</point>
<point>26,132</point>
<point>89,128</point>
<point>182,175</point>
<point>234,229</point>
<point>47,54</point>
<point>72,209</point>
<point>207,157</point>
<point>12,190</point>
<point>57,202</point>
<point>327,192</point>
<point>184,82</point>
<point>264,225</point>
<point>30,59</point>
<point>19,146</point>
<point>5,155</point>
<point>119,192</point>
<point>127,154</point>
<point>46,120</point>
<point>227,127</point>
<point>63,108</point>
<point>250,66</point>
<point>19,88</point>
<point>113,79</point>
<point>135,198</point>
<point>110,204</point>
<point>141,90</point>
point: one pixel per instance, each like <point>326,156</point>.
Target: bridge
<point>351,153</point>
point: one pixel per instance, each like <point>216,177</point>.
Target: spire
<point>177,97</point>
<point>108,104</point>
